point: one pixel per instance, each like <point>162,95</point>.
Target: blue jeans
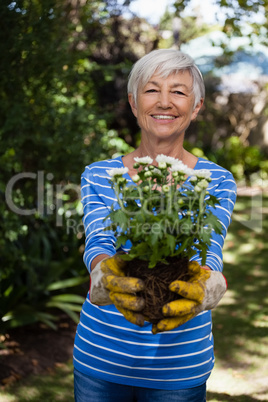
<point>89,389</point>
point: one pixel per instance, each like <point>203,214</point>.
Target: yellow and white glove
<point>202,292</point>
<point>109,285</point>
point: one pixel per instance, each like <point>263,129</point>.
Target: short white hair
<point>165,62</point>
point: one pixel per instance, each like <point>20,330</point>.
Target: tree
<point>189,29</point>
<point>227,129</point>
<point>63,68</point>
<point>237,14</point>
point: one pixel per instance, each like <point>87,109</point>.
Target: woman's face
<point>165,106</point>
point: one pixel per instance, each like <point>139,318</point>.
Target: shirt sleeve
<point>225,191</point>
<point>95,207</point>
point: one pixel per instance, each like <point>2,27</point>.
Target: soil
<point>157,281</point>
<point>35,349</point>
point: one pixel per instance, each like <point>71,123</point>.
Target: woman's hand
<point>110,285</point>
<point>202,292</point>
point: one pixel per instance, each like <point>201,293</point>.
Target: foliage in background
<point>230,130</point>
<point>189,29</point>
<point>235,13</point>
<point>61,94</point>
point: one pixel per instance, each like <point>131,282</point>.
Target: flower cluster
<point>164,211</point>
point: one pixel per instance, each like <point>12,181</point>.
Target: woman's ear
<point>132,104</point>
<point>197,108</point>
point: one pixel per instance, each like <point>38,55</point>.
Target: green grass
<point>240,323</point>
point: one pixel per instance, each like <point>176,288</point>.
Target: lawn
<point>240,322</point>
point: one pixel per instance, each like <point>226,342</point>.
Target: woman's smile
<point>164,117</point>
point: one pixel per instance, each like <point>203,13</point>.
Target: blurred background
<point>64,66</point>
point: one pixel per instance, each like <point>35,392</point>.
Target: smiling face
<point>165,106</point>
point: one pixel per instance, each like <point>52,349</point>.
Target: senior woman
<point>119,356</point>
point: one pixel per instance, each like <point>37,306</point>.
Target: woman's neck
<point>153,148</point>
<point>174,149</point>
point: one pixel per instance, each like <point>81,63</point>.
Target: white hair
<point>165,62</point>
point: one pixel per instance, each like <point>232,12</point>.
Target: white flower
<point>179,167</point>
<point>117,171</point>
<point>167,159</point>
<point>203,183</point>
<point>136,178</point>
<point>189,172</point>
<point>148,174</point>
<point>203,173</point>
<point>197,189</point>
<point>145,160</point>
<point>193,179</point>
<point>162,165</point>
<point>156,171</point>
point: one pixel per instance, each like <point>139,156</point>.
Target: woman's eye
<point>179,93</point>
<point>150,90</point>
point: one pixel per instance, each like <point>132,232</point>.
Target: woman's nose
<point>164,100</point>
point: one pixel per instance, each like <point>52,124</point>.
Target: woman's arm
<point>96,198</point>
<point>225,191</point>
<point>97,259</point>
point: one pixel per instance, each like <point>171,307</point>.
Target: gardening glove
<point>108,284</point>
<point>202,292</point>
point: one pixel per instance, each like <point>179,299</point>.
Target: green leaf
<point>67,283</point>
<point>171,241</point>
<point>120,219</point>
<point>213,223</point>
<point>67,298</point>
<point>127,257</point>
<point>121,240</point>
<point>141,250</point>
<point>25,316</point>
<point>68,308</point>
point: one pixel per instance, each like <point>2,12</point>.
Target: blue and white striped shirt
<point>109,347</point>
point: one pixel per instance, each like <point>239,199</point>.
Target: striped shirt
<point>109,347</point>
